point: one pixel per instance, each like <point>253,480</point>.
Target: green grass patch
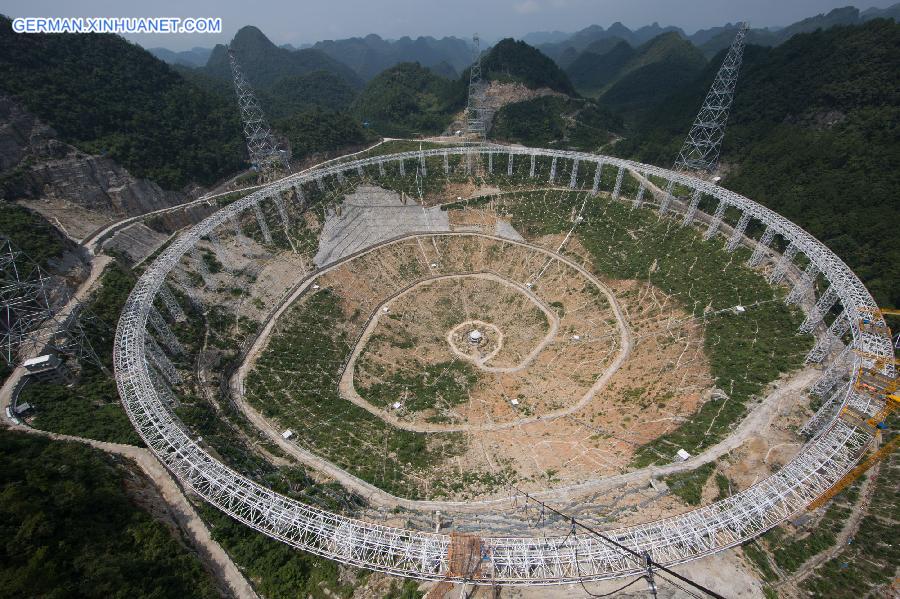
<point>688,486</point>
<point>301,393</point>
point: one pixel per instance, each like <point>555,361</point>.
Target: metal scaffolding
<point>536,560</point>
<point>266,157</point>
<point>476,110</point>
<point>700,151</point>
<point>37,314</point>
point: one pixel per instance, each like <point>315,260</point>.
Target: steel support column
<point>598,173</point>
<point>261,221</point>
<point>639,196</point>
<point>573,178</point>
<point>165,333</point>
<point>804,284</point>
<point>691,211</point>
<point>737,234</point>
<point>716,221</point>
<point>786,260</point>
<point>824,305</point>
<point>171,303</point>
<point>617,187</point>
<point>667,197</point>
<point>839,328</point>
<point>762,248</point>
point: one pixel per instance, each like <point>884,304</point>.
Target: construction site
<point>500,366</point>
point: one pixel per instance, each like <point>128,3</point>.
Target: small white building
<point>682,455</point>
<point>514,402</point>
<point>287,435</point>
<point>475,337</point>
<point>396,405</point>
<point>41,362</point>
<point>740,309</point>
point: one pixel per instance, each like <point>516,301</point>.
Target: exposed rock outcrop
<point>34,164</point>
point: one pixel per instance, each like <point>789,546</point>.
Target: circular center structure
<point>600,348</point>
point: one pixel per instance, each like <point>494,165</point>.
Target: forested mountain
<point>305,94</point>
<point>105,95</point>
<point>79,523</point>
<point>580,40</point>
<point>295,93</point>
<point>264,63</point>
<point>195,57</point>
<point>512,61</point>
<point>565,48</point>
<point>557,122</point>
<point>656,68</point>
<point>408,99</point>
<point>767,37</point>
<point>813,135</point>
<point>598,66</point>
<point>631,80</point>
<point>370,55</point>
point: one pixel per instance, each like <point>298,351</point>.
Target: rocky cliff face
<point>36,165</point>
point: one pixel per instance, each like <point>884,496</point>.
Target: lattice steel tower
<point>700,151</point>
<point>476,121</point>
<point>265,155</point>
<point>37,314</point>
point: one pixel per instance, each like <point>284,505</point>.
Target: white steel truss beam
<point>538,560</point>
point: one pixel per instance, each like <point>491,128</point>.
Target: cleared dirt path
<point>759,417</point>
<point>346,384</point>
<point>210,552</point>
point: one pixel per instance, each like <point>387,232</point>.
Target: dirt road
<point>210,552</point>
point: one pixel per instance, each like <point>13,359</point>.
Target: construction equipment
<point>877,377</point>
<point>851,476</point>
<point>464,558</point>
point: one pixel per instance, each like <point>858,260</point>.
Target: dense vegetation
<point>555,121</point>
<point>90,408</point>
<point>307,393</point>
<point>424,386</point>
<point>263,63</point>
<point>105,95</point>
<point>813,136</point>
<point>370,55</point>
<point>511,60</point>
<point>409,99</point>
<point>295,93</point>
<point>746,351</point>
<point>31,234</point>
<point>70,528</point>
<point>596,67</point>
<point>318,130</point>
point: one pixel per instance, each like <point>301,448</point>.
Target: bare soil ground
<point>77,222</point>
<point>662,382</point>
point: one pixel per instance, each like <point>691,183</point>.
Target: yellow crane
<point>851,476</point>
<point>881,383</point>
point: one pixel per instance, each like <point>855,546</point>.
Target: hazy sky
<point>306,21</point>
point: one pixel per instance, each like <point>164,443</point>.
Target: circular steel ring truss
<point>513,561</point>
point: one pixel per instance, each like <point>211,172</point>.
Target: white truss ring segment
<point>512,561</point>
